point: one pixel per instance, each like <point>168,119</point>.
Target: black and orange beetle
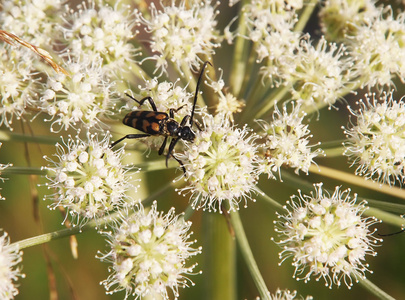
<point>155,123</point>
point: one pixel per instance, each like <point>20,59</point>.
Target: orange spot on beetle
<point>155,126</point>
<point>145,125</point>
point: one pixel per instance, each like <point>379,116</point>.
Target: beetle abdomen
<point>145,121</point>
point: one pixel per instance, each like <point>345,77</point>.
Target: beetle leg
<point>171,147</point>
<point>130,136</point>
<point>162,148</point>
<point>184,121</point>
<point>142,101</point>
<point>181,164</point>
<point>198,125</point>
<point>172,111</point>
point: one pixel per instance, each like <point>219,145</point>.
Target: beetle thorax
<point>171,128</point>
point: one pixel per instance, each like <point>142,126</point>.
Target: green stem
<point>372,288</point>
<point>188,212</point>
<point>238,63</point>
<point>386,206</point>
<point>18,137</point>
<point>247,76</point>
<point>248,256</point>
<point>333,152</point>
<point>155,165</point>
<point>269,102</point>
<point>357,180</point>
<point>219,258</point>
<point>305,15</point>
<point>24,171</point>
<point>47,237</point>
<point>268,199</point>
<point>386,217</point>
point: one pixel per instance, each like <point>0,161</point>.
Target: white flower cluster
<point>378,50</point>
<point>35,21</point>
<point>341,18</point>
<point>326,236</point>
<point>89,179</point>
<point>81,99</point>
<point>376,142</point>
<point>10,256</point>
<point>286,142</point>
<point>18,85</point>
<point>287,295</point>
<point>180,34</point>
<point>318,74</point>
<point>148,253</point>
<point>221,165</point>
<point>96,31</point>
<point>270,27</point>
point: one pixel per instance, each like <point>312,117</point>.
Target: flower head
<point>100,32</point>
<point>286,142</point>
<point>148,253</point>
<point>180,35</point>
<point>89,179</point>
<point>78,100</point>
<point>10,256</point>
<point>319,74</point>
<point>221,165</point>
<point>18,84</point>
<point>34,21</point>
<point>228,104</point>
<point>376,143</point>
<point>341,18</point>
<point>378,50</point>
<point>326,236</point>
<point>270,27</point>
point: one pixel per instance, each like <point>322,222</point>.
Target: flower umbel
<point>148,253</point>
<point>100,32</point>
<point>326,236</point>
<point>318,73</point>
<point>377,142</point>
<point>379,51</point>
<point>287,141</point>
<point>221,165</point>
<point>179,35</point>
<point>89,179</point>
<point>78,100</point>
<point>10,256</point>
<point>341,18</point>
<point>18,84</point>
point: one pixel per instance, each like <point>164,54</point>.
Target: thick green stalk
<point>238,61</point>
<point>305,15</point>
<point>375,290</point>
<point>47,237</point>
<point>248,256</point>
<point>18,137</point>
<point>219,258</point>
<point>357,180</point>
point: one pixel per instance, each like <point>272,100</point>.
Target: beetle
<point>156,123</point>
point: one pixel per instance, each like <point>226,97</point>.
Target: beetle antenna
<point>196,90</point>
